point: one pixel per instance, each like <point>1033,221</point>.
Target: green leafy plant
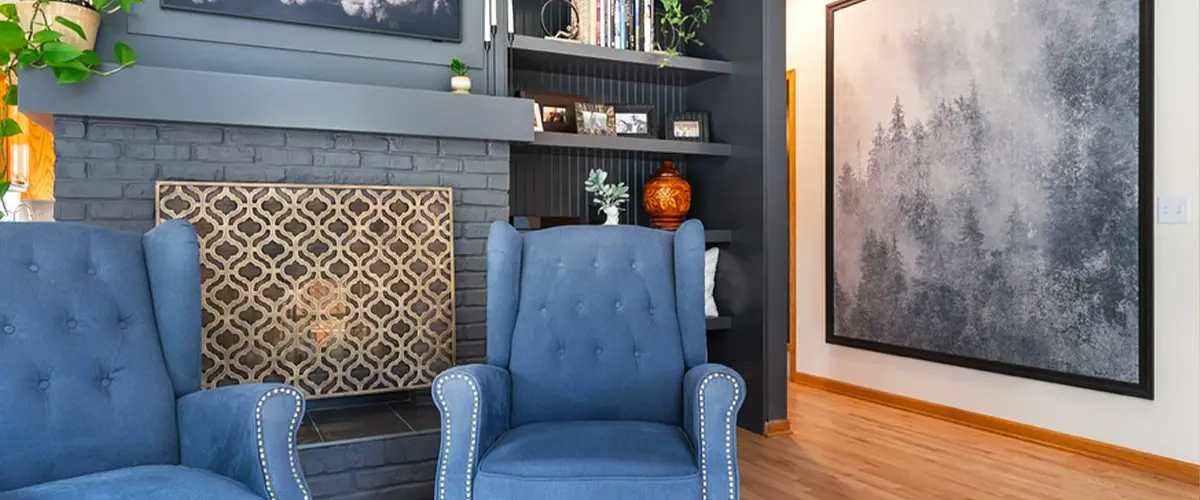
<point>603,194</point>
<point>458,68</point>
<point>679,25</point>
<point>37,43</point>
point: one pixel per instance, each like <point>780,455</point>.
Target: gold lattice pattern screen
<point>338,290</point>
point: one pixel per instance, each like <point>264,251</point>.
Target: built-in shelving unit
<point>638,144</point>
<point>559,56</point>
<point>718,236</point>
<point>739,179</point>
<point>719,323</point>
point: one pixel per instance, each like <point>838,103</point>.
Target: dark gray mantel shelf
<point>557,56</point>
<point>600,142</point>
<point>178,95</point>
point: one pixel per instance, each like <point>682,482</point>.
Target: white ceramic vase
<point>460,84</point>
<point>612,216</point>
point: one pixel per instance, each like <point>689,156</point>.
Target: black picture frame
<point>675,123</point>
<point>1144,387</point>
<point>445,26</point>
<point>636,109</point>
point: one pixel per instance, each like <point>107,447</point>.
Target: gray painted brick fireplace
<point>105,173</point>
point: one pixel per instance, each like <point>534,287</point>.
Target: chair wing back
<point>84,385</point>
<point>596,322</point>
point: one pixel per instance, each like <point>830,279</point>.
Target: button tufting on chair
<point>9,329</point>
<point>561,351</point>
<point>619,305</point>
<point>91,271</point>
<point>637,353</point>
<point>34,267</point>
<point>43,384</point>
<point>599,351</point>
<point>122,324</point>
<point>71,324</point>
<point>105,382</point>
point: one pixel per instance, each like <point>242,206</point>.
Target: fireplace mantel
<point>179,95</point>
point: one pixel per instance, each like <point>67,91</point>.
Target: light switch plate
<point>1173,210</point>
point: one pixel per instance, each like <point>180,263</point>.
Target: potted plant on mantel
<point>56,34</point>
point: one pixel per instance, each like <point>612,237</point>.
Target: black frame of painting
<point>640,109</point>
<point>1144,388</point>
<point>200,10</point>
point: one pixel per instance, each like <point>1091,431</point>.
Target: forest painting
<point>988,171</point>
<point>433,19</point>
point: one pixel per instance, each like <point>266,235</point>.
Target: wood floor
<point>846,449</point>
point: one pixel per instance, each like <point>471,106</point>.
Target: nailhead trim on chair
<point>446,432</point>
<point>262,450</point>
<point>728,434</point>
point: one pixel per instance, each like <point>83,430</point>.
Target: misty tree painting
<point>987,168</point>
<point>433,19</point>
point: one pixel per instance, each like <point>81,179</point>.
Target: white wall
<point>1169,425</point>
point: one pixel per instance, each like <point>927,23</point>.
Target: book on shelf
<point>617,24</point>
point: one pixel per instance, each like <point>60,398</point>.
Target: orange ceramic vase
<point>667,197</point>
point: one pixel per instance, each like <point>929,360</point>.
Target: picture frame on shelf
<point>596,119</point>
<point>537,118</point>
<point>635,120</point>
<point>557,110</point>
<point>692,126</point>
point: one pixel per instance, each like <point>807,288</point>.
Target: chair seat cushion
<point>155,482</point>
<point>589,459</point>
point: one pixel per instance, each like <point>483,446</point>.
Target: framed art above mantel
<point>430,19</point>
<point>989,186</point>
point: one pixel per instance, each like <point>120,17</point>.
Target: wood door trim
<point>791,143</point>
<point>1164,466</point>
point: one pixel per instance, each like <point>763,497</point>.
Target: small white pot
<point>460,84</point>
<point>612,216</point>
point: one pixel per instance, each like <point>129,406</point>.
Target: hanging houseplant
<point>55,34</point>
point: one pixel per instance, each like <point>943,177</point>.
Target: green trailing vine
<point>679,25</point>
<point>37,43</point>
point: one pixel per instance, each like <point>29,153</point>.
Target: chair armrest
<point>712,396</point>
<point>474,401</point>
<point>247,433</point>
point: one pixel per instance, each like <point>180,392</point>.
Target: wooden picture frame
<point>557,110</point>
<point>596,119</point>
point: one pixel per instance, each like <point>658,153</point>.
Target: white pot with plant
<point>460,83</point>
<point>608,197</point>
<point>58,35</point>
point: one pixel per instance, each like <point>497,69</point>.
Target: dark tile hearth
<point>332,425</point>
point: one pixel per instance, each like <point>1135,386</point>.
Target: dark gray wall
<point>171,38</point>
<point>106,172</point>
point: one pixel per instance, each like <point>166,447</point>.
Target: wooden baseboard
<point>1169,467</point>
<point>776,428</point>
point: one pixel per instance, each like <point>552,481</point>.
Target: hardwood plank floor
<point>847,449</point>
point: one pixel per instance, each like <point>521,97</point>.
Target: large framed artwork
<point>989,185</point>
<point>432,19</point>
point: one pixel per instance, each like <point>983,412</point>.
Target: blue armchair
<point>100,376</point>
<point>597,384</point>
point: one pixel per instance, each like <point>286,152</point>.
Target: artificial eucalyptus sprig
<point>603,194</point>
<point>679,26</point>
<point>37,43</point>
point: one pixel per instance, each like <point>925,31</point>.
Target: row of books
<point>617,24</point>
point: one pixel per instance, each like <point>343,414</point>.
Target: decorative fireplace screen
<point>338,290</point>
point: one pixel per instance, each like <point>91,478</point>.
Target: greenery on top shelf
<point>679,25</point>
<point>23,45</point>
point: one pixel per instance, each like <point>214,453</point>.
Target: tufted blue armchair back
<point>596,322</point>
<point>89,369</point>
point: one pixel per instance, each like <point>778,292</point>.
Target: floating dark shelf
<point>556,56</point>
<point>600,142</point>
<point>717,236</point>
<point>719,323</point>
